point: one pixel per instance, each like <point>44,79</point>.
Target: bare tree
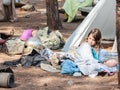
<point>53,19</point>
<point>118,48</point>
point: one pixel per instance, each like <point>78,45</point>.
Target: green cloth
<point>71,7</point>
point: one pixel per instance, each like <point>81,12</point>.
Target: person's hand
<point>111,62</point>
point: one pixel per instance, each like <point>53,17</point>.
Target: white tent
<point>102,16</point>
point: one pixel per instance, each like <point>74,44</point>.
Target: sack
<point>50,39</point>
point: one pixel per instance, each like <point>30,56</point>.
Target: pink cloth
<point>26,34</point>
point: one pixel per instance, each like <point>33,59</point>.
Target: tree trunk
<point>53,19</point>
<point>118,47</point>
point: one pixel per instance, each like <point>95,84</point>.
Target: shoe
<point>77,74</point>
<point>48,67</point>
<point>76,20</point>
<point>13,20</point>
<point>93,74</point>
<point>65,20</point>
<point>102,74</point>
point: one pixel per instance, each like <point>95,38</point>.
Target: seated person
<point>71,7</point>
<point>91,58</point>
<point>7,11</point>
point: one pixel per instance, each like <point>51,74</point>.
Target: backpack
<point>50,39</point>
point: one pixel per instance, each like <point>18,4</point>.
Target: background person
<point>7,11</point>
<point>71,7</point>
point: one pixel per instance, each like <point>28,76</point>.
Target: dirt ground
<point>34,78</point>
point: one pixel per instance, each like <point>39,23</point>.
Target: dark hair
<point>96,33</point>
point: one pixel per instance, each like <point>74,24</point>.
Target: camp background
<point>35,78</point>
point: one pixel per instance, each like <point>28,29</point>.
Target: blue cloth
<point>105,55</point>
<point>69,67</point>
<point>94,54</point>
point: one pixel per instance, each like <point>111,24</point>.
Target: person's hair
<point>96,33</point>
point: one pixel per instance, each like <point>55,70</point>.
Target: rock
<point>28,7</point>
<point>15,46</point>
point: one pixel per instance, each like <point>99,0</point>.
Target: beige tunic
<point>8,13</point>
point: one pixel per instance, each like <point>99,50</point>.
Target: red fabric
<point>2,41</point>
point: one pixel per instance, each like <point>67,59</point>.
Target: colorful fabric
<point>94,54</point>
<point>71,7</point>
<point>69,67</point>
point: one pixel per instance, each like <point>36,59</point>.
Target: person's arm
<point>108,58</point>
<point>104,55</point>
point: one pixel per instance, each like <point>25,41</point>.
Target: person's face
<point>91,40</point>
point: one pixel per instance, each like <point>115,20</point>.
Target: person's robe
<point>8,13</point>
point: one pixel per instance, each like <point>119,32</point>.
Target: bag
<point>50,39</point>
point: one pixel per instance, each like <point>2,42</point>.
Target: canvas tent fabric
<point>102,16</point>
<point>114,48</point>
